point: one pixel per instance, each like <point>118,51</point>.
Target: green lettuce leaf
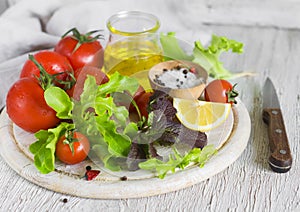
<point>44,148</point>
<point>59,101</point>
<point>101,151</point>
<point>118,83</point>
<point>83,114</point>
<point>208,58</point>
<point>172,49</point>
<point>177,161</point>
<point>118,142</point>
<point>108,122</point>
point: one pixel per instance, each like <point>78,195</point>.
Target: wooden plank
<point>267,13</point>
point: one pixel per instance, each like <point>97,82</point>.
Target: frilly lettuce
<point>208,58</point>
<point>177,161</point>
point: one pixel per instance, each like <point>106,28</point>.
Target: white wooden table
<point>248,184</point>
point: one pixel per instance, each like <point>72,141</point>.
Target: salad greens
<point>107,124</point>
<point>208,58</point>
<point>176,160</point>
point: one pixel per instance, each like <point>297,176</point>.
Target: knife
<point>280,159</point>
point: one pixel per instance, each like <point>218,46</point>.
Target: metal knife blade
<point>280,159</point>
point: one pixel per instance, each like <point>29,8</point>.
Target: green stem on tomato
<point>83,38</point>
<point>47,80</point>
<point>70,139</point>
<point>232,94</point>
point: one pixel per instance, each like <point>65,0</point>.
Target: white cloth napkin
<point>31,25</point>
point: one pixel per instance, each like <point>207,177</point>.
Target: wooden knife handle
<point>281,158</point>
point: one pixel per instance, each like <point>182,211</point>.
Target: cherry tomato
<point>81,75</point>
<point>140,91</point>
<point>27,107</point>
<point>220,91</point>
<point>52,62</point>
<point>81,148</point>
<point>80,49</point>
<point>143,102</point>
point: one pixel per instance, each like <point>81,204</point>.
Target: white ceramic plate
<point>69,179</point>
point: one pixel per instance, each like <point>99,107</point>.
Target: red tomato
<point>27,107</point>
<point>140,91</point>
<point>81,147</point>
<point>143,103</point>
<point>90,51</point>
<point>220,91</point>
<point>81,74</point>
<point>52,62</point>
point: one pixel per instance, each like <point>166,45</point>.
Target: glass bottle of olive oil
<point>133,44</point>
<point>131,55</point>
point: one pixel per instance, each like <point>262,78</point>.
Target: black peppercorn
<point>124,178</point>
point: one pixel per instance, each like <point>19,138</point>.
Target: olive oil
<point>128,57</point>
<point>133,46</point>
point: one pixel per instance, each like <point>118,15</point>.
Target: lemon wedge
<point>201,115</point>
